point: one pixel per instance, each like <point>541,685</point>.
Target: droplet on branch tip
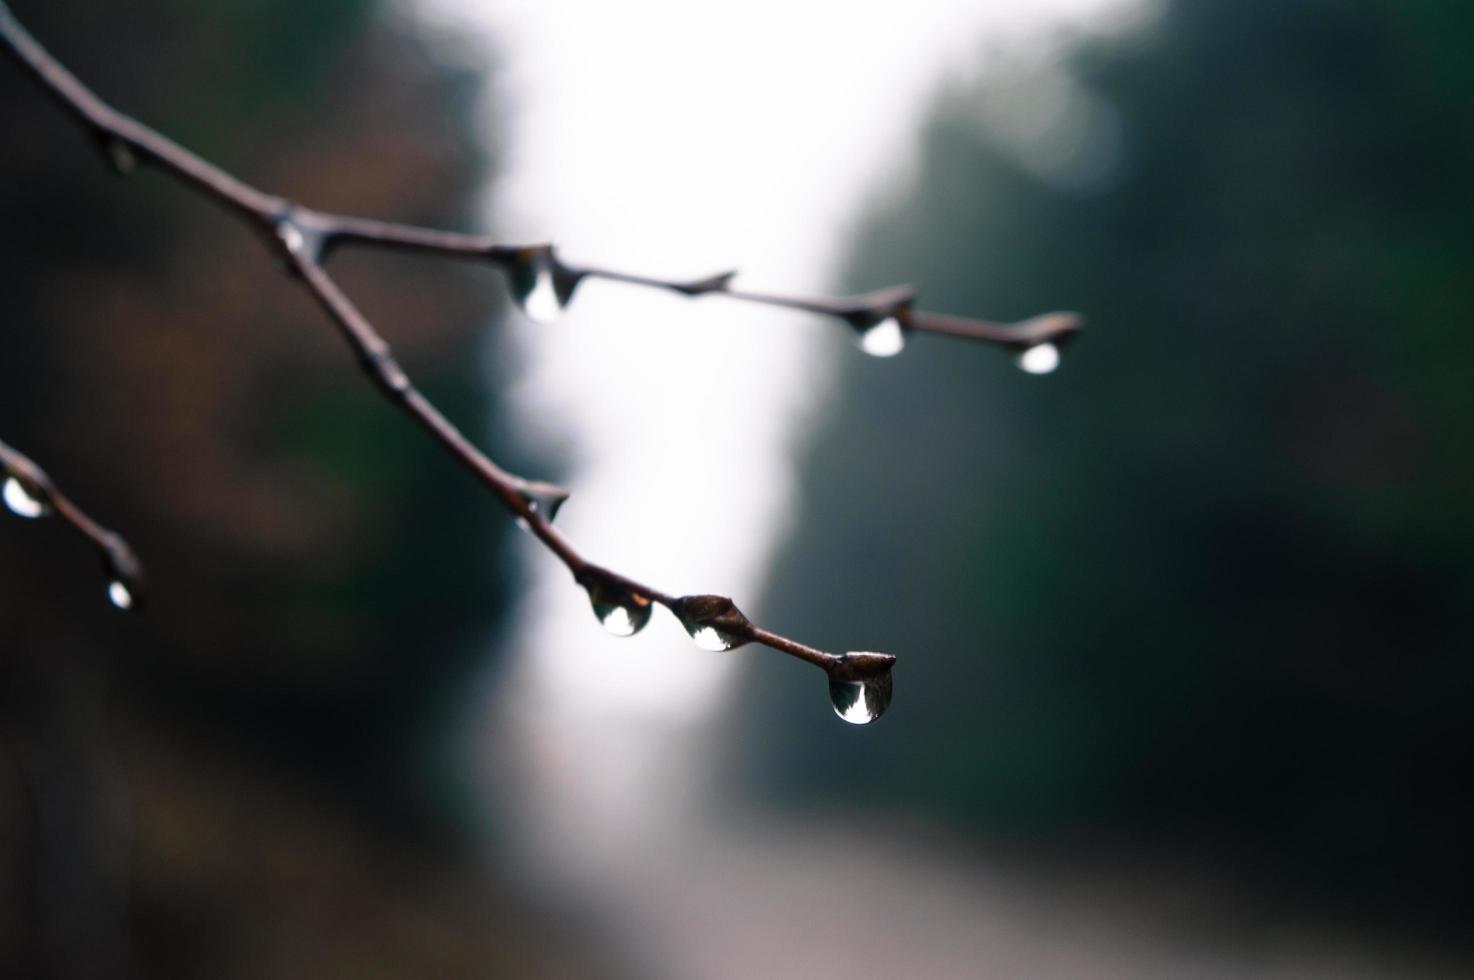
<point>119,595</point>
<point>860,686</point>
<point>125,581</point>
<point>1039,359</point>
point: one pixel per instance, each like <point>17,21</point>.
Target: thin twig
<point>858,312</point>
<point>29,491</point>
<point>305,238</point>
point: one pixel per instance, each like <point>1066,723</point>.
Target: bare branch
<point>30,492</point>
<point>536,264</point>
<point>543,283</point>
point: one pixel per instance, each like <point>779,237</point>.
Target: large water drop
<point>884,338</point>
<point>24,501</point>
<point>860,686</point>
<point>540,302</point>
<point>125,581</point>
<point>862,701</point>
<point>619,610</point>
<point>1039,359</point>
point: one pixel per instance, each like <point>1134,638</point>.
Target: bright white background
<point>680,138</point>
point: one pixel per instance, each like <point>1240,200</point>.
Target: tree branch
<point>30,492</point>
<point>860,683</point>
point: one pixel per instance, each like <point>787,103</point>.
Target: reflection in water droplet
<point>1039,359</point>
<point>539,296</point>
<point>861,702</point>
<point>621,612</point>
<point>621,620</point>
<point>711,638</point>
<point>885,338</point>
<point>22,501</point>
<point>119,595</point>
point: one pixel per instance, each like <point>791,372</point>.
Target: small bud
<point>713,621</point>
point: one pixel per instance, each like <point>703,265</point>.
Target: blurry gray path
<point>899,902</point>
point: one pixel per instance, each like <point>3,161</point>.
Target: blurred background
<point>1185,682</point>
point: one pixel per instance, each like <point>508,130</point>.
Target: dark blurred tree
<point>1212,582</point>
<point>254,780</point>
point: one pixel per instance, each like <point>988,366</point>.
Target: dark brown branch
<point>305,238</point>
<point>30,492</point>
<point>858,312</point>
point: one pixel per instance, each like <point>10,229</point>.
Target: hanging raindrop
<point>119,595</point>
<point>1039,359</point>
<point>860,686</point>
<point>883,338</point>
<point>540,303</point>
<point>713,621</point>
<point>541,285</point>
<point>125,585</point>
<point>24,500</point>
<point>619,610</point>
<point>860,702</point>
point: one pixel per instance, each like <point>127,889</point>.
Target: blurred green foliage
<point>1211,581</point>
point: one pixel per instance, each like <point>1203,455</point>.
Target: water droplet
<point>713,621</point>
<point>620,611</point>
<point>23,500</point>
<point>541,286</point>
<point>541,303</point>
<point>291,237</point>
<point>119,595</point>
<point>861,702</point>
<point>125,581</point>
<point>884,338</point>
<point>860,686</point>
<point>1039,359</point>
<point>543,498</point>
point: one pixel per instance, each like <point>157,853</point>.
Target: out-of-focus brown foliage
<point>237,783</point>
